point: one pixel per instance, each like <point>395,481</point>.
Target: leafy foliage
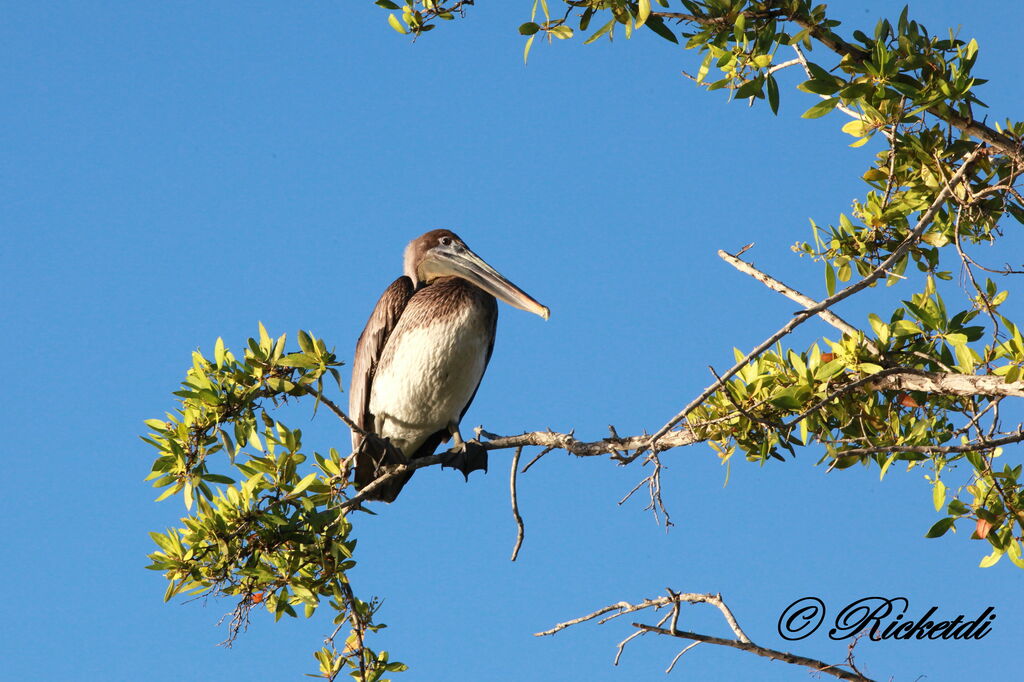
<point>274,534</point>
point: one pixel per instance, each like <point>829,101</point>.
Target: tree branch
<point>774,654</point>
<point>547,439</point>
<point>981,444</point>
<point>674,600</point>
<point>794,295</point>
<point>947,383</point>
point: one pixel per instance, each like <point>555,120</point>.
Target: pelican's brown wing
<point>368,351</point>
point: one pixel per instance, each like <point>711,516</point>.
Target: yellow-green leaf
<point>643,11</point>
<point>991,560</point>
<point>856,128</point>
<point>303,484</point>
<point>939,495</point>
<point>561,32</point>
<point>526,49</point>
<point>396,24</point>
<point>265,343</point>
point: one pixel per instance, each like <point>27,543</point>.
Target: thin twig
<point>795,296</point>
<point>680,655</point>
<point>534,460</point>
<point>622,645</point>
<point>982,444</point>
<point>520,529</point>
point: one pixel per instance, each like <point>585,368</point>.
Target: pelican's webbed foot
<point>466,456</point>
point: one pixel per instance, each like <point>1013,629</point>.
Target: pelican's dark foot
<point>466,456</point>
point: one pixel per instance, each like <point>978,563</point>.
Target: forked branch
<point>741,641</point>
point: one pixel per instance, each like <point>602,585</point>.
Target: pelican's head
<point>440,253</point>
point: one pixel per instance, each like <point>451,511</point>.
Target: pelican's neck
<point>409,265</point>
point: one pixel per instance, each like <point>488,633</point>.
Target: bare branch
<point>673,598</point>
<point>520,529</point>
<point>605,446</point>
<point>774,654</point>
<point>947,383</point>
<point>741,642</point>
<point>794,295</point>
<point>622,605</point>
<point>679,655</point>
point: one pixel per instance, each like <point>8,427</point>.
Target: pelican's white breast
<point>430,368</point>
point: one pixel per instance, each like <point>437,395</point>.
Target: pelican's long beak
<point>469,266</point>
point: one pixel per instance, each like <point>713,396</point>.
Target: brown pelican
<point>421,357</point>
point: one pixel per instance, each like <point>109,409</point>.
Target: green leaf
<point>657,25</point>
<point>846,461</point>
<point>752,88</point>
<point>156,424</point>
<point>940,527</point>
<point>305,342</point>
<point>976,460</point>
<point>167,493</point>
<point>905,328</point>
<point>217,478</point>
<point>298,360</point>
<point>529,28</point>
<point>821,108</point>
<point>600,32</point>
<point>772,88</point>
<point>303,484</point>
<point>830,279</point>
<point>787,399</point>
<point>386,4</point>
<point>218,352</point>
<point>825,86</point>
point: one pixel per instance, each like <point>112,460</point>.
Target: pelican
<point>421,357</point>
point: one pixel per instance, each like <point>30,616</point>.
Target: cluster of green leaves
<point>785,399</point>
<point>419,17</point>
<point>272,532</point>
<point>917,91</point>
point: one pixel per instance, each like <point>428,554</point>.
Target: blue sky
<point>174,172</point>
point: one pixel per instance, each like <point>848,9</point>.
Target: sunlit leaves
<point>270,532</point>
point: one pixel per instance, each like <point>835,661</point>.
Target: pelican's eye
<point>446,241</point>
